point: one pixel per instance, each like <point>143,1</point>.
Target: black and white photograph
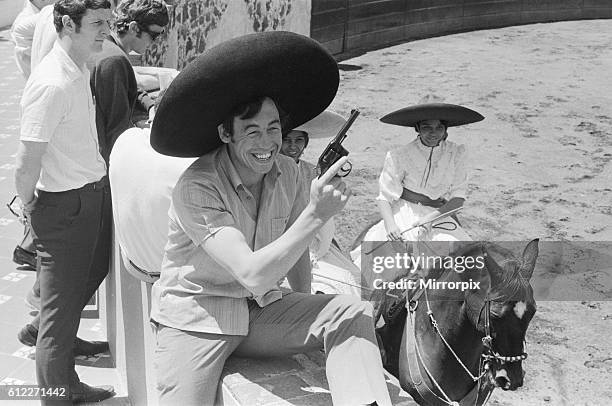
<point>306,202</point>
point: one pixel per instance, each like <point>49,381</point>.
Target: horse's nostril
<point>502,382</point>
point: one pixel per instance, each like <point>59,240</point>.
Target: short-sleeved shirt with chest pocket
<point>194,292</point>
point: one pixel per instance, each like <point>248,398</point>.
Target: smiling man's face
<point>256,141</point>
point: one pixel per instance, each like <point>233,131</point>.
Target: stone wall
<point>196,25</point>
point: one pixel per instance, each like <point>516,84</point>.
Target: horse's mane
<point>510,284</point>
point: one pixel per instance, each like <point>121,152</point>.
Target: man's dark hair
<point>144,12</point>
<point>75,9</point>
<point>248,110</point>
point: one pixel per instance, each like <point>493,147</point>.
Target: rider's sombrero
<point>294,70</point>
<point>325,125</point>
<point>452,114</point>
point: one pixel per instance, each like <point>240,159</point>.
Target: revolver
<point>334,150</point>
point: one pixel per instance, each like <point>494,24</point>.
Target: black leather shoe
<point>28,335</point>
<point>89,394</point>
<point>23,257</point>
<point>83,347</point>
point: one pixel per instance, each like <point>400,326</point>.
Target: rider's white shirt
<point>407,167</point>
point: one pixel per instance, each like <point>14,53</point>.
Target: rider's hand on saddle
<point>393,232</point>
<point>329,194</point>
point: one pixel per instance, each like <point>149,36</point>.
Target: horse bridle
<point>488,355</point>
<point>487,341</point>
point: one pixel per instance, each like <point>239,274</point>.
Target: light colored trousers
<point>189,364</point>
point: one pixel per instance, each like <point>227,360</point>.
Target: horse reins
<point>411,306</point>
<point>488,355</point>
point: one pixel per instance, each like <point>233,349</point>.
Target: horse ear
<point>530,255</point>
<point>496,273</point>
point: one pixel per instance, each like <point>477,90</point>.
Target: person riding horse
<point>427,177</point>
<point>422,180</point>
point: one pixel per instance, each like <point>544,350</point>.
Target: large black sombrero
<point>294,70</point>
<point>452,114</point>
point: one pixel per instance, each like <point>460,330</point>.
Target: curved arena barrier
<point>349,27</point>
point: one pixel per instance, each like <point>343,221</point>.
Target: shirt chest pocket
<point>278,225</point>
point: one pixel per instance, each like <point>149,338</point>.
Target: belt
<point>414,197</point>
<point>99,185</point>
<point>136,271</point>
<point>93,186</point>
<point>143,275</point>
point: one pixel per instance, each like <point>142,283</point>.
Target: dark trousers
<point>72,237</point>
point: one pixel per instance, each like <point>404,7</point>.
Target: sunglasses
<point>153,34</point>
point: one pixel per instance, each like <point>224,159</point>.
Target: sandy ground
<point>540,167</point>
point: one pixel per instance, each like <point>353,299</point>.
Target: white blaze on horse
<point>454,346</point>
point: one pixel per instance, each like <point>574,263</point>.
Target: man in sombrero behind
<point>241,220</point>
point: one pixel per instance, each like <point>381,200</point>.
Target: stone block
<point>296,380</point>
<point>255,370</point>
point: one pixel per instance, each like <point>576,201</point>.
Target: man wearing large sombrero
<point>241,220</point>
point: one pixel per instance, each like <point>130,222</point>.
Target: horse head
<point>511,306</point>
<point>502,308</point>
<point>469,335</point>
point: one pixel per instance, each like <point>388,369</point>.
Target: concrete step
<point>296,380</point>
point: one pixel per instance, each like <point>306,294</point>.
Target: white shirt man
<point>58,100</point>
<point>60,177</point>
